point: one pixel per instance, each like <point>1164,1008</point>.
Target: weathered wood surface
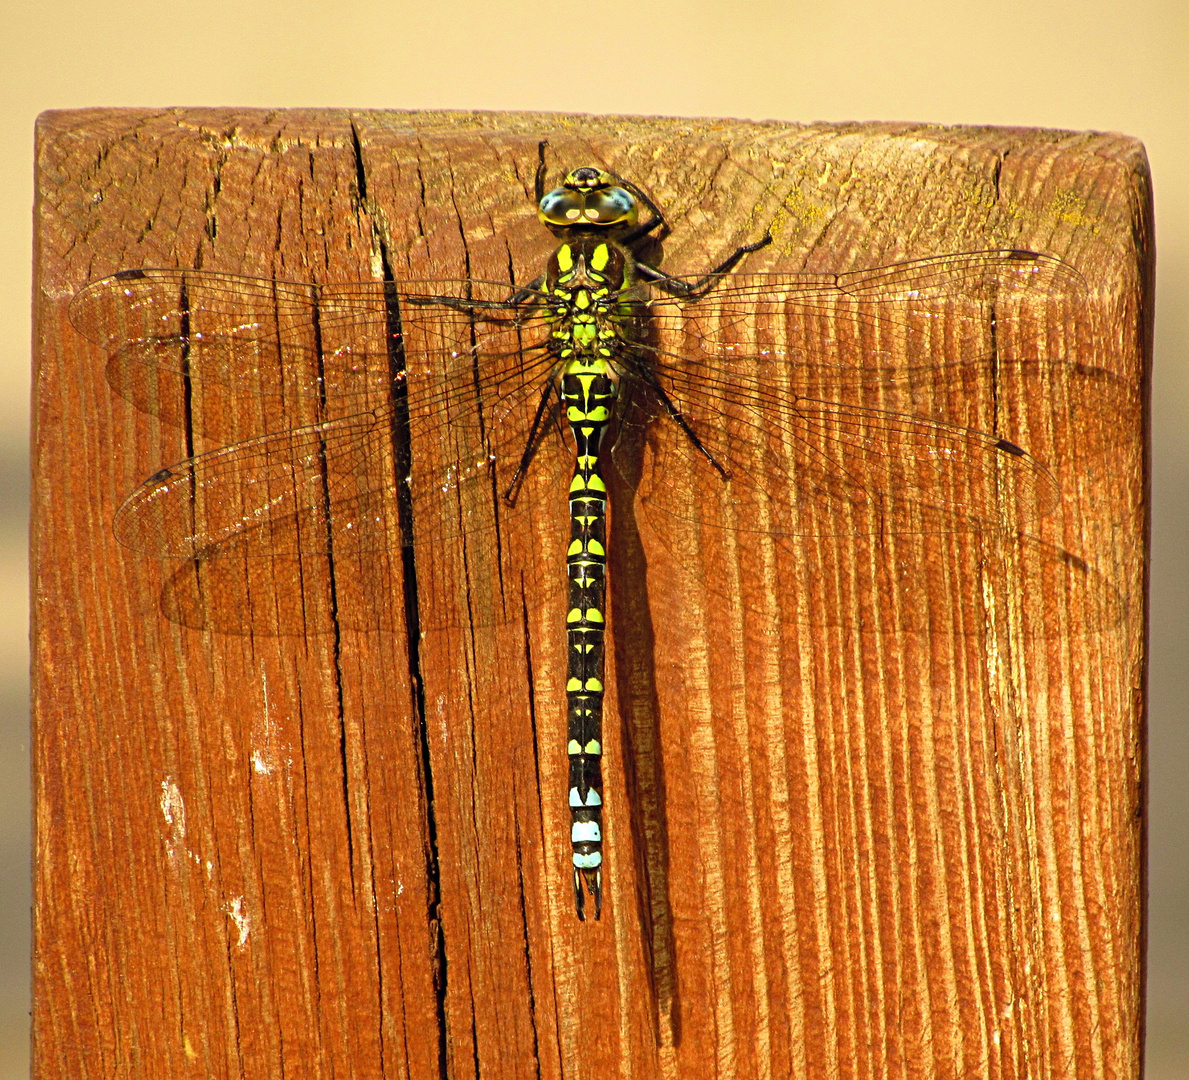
<point>875,811</point>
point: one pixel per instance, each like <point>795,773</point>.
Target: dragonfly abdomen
<point>588,391</point>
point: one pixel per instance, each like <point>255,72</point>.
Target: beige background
<point>1101,65</point>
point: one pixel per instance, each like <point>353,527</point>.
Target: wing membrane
<point>892,312</point>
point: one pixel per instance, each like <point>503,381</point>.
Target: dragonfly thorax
<point>585,282</point>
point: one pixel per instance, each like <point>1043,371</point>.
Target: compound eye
<point>568,206</point>
<point>611,206</point>
<point>562,207</point>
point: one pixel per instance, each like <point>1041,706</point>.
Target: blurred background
<point>1094,64</point>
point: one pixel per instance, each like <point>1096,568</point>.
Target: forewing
<point>897,314</point>
<point>331,349</point>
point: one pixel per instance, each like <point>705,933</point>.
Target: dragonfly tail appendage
<point>594,885</point>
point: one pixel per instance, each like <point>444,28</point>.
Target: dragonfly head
<point>589,198</point>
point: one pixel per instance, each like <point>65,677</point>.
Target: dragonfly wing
<point>484,413</point>
<point>797,465</point>
<point>318,351</point>
<point>772,372</point>
<point>317,489</point>
<point>891,314</point>
<point>229,356</point>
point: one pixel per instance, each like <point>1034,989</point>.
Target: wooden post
<point>874,808</point>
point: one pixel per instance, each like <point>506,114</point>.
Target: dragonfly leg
<point>657,218</point>
<point>694,290</point>
<point>647,375</point>
<point>539,183</point>
<point>534,438</point>
<point>525,291</point>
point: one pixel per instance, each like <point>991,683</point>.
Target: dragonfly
<point>392,412</point>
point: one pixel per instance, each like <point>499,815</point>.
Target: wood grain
<point>874,807</point>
